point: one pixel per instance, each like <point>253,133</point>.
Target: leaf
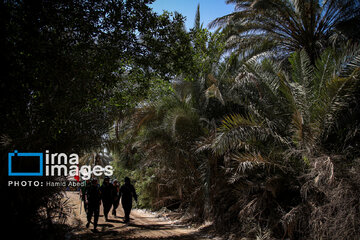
<point>214,92</point>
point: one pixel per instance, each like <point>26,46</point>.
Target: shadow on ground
<point>125,232</point>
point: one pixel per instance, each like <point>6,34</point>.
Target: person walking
<point>116,195</point>
<point>107,196</point>
<point>127,193</point>
<point>93,201</point>
<point>85,185</point>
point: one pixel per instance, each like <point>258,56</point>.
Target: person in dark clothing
<point>127,193</point>
<point>84,188</point>
<point>116,194</point>
<point>93,200</point>
<point>107,196</point>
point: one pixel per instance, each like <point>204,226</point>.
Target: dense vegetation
<point>253,126</point>
<point>262,136</point>
<point>68,68</point>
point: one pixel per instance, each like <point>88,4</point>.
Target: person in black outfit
<point>83,189</point>
<point>107,196</point>
<point>116,194</point>
<point>93,200</point>
<point>127,193</point>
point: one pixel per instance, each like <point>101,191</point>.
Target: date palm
<point>280,27</point>
<point>294,110</point>
<point>290,116</point>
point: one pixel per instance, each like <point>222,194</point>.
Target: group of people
<point>109,193</point>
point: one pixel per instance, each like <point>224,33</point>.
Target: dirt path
<point>143,225</point>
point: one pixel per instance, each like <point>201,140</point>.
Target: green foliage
<point>242,140</point>
<point>197,18</point>
<point>71,68</point>
<point>208,48</point>
<point>67,59</point>
<point>261,28</point>
<point>167,47</point>
<point>161,136</point>
<point>301,102</point>
<point>290,115</point>
<point>142,179</point>
<point>160,133</point>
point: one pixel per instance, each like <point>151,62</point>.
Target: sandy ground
<point>143,225</point>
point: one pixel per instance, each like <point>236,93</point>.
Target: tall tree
<point>197,24</point>
<point>62,62</point>
<point>290,117</point>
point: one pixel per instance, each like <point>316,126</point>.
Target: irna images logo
<point>25,164</point>
<point>53,164</point>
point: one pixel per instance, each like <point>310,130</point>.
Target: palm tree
<point>296,110</point>
<point>280,27</point>
<point>163,134</point>
<point>290,116</point>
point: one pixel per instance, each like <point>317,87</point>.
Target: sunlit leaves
<point>281,27</point>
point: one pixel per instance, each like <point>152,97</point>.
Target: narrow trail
<point>143,225</point>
